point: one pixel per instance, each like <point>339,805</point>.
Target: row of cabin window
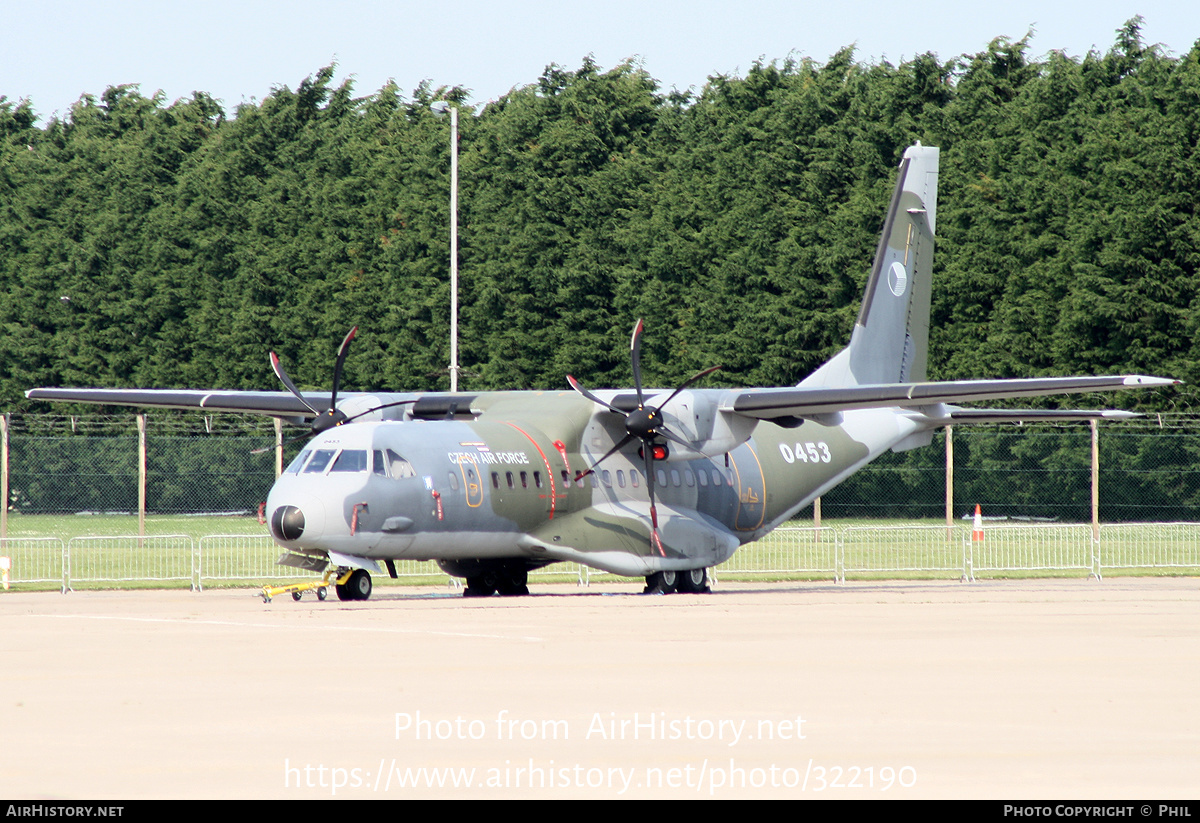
<point>386,463</point>
<point>677,478</point>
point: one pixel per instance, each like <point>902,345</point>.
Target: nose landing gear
<point>354,585</point>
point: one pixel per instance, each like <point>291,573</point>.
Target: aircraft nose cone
<point>287,523</point>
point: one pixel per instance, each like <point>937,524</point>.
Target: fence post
<point>949,483</point>
<point>141,424</point>
<point>839,556</point>
<point>1095,479</point>
<point>3,476</point>
<point>1095,499</point>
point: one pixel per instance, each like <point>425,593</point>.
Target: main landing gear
<point>692,581</point>
<point>509,582</point>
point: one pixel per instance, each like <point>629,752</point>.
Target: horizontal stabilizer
<point>813,401</point>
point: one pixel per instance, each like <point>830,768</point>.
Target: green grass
<point>864,549</point>
<point>66,526</point>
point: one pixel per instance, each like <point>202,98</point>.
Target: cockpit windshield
<point>350,460</point>
<point>320,460</point>
<point>294,466</point>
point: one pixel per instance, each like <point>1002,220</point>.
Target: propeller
<point>323,421</point>
<point>331,416</point>
<point>645,423</point>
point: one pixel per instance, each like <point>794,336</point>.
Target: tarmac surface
<point>1001,689</point>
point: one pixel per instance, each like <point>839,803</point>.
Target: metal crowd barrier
<point>916,550</point>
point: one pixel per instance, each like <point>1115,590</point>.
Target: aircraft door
<point>472,480</point>
<point>751,488</point>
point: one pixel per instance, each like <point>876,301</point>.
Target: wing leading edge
<point>271,403</point>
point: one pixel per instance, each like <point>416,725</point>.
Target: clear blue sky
<point>55,51</point>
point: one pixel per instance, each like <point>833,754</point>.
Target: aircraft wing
<point>813,401</point>
<point>272,403</point>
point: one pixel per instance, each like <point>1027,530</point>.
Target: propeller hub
<point>327,419</point>
<point>643,423</point>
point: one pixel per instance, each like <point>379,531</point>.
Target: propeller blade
<point>648,463</point>
<point>343,350</point>
<point>635,353</point>
<point>663,431</point>
<point>347,420</point>
<point>322,421</point>
<point>271,448</point>
<point>377,408</point>
<point>287,381</point>
<point>577,386</point>
<point>689,382</point>
<point>624,442</point>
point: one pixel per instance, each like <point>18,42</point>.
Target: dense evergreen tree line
<point>170,244</point>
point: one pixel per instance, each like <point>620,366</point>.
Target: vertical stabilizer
<point>890,341</point>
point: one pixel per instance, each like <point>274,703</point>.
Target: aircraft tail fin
<point>890,341</point>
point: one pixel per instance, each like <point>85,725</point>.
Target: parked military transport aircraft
<point>647,483</point>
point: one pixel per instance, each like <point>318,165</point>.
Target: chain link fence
<point>73,480</point>
<point>89,464</point>
<point>1149,470</point>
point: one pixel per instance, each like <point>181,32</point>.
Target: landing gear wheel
<point>694,581</point>
<point>661,583</point>
<point>482,586</point>
<point>296,596</point>
<point>513,582</point>
<point>322,593</point>
<point>358,587</point>
<point>360,584</point>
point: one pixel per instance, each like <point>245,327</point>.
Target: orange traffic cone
<point>977,532</point>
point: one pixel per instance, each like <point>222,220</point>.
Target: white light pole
<point>440,108</point>
<point>454,248</point>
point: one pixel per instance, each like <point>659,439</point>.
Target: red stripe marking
<point>549,471</point>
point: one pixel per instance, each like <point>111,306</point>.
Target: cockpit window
<point>389,464</point>
<point>350,460</point>
<point>320,460</point>
<point>294,466</point>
